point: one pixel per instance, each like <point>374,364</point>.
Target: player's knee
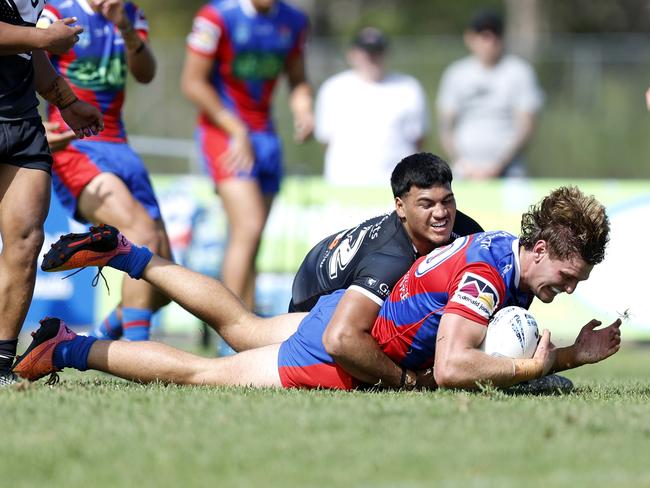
<point>25,244</point>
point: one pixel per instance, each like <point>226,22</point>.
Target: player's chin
<point>546,296</point>
<point>439,236</point>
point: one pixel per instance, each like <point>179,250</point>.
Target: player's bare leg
<point>153,361</point>
<point>107,199</point>
<point>204,297</point>
<point>55,347</point>
<point>24,203</point>
<point>207,299</point>
<point>247,210</point>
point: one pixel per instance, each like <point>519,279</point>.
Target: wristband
<point>525,370</point>
<point>132,39</point>
<point>59,93</point>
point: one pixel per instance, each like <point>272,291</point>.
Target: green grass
<point>92,430</point>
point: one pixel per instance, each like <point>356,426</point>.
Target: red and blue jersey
<point>95,67</point>
<point>473,277</point>
<point>250,51</point>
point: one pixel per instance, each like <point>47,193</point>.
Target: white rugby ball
<point>512,333</point>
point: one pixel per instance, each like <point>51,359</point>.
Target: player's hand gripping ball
<point>512,333</point>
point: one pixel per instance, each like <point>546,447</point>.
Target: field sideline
<point>92,430</point>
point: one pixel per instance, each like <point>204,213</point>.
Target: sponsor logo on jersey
<point>258,65</point>
<point>477,294</point>
<point>204,36</point>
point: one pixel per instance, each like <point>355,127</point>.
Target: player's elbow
<point>336,341</point>
<point>450,375</point>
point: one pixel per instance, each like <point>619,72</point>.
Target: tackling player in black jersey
<point>367,261</point>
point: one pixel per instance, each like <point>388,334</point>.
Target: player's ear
<point>540,249</point>
<point>399,208</point>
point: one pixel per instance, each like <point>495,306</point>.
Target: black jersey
<point>17,93</point>
<point>371,257</point>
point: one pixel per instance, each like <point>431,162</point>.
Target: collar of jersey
<point>249,10</point>
<point>86,7</point>
<point>515,259</point>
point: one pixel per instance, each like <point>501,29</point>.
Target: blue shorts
<point>267,168</point>
<point>302,359</point>
<point>80,162</point>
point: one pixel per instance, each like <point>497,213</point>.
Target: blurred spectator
<point>487,105</point>
<point>236,52</point>
<point>369,118</point>
<point>647,98</point>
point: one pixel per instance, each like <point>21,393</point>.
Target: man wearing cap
<point>487,105</point>
<point>367,117</point>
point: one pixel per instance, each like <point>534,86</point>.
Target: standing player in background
<point>24,154</point>
<point>101,179</point>
<point>236,52</point>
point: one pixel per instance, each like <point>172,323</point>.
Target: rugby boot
<point>8,378</point>
<point>38,359</point>
<point>546,385</point>
<point>93,248</point>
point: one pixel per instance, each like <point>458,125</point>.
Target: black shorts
<point>23,143</point>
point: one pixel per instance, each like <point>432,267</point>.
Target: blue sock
<point>136,323</point>
<point>73,353</point>
<point>110,328</point>
<point>134,262</point>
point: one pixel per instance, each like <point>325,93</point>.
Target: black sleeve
<point>465,225</point>
<point>378,272</point>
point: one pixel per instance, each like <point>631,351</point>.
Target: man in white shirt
<point>487,105</point>
<point>370,119</point>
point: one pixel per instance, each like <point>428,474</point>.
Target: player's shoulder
<point>221,7</point>
<point>288,10</point>
<point>492,247</point>
<point>388,237</point>
<point>55,9</point>
<point>465,225</point>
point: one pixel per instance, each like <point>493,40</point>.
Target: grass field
<point>93,430</point>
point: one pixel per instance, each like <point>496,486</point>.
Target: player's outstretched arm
<point>460,364</point>
<point>58,38</point>
<point>591,346</point>
<point>348,340</point>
